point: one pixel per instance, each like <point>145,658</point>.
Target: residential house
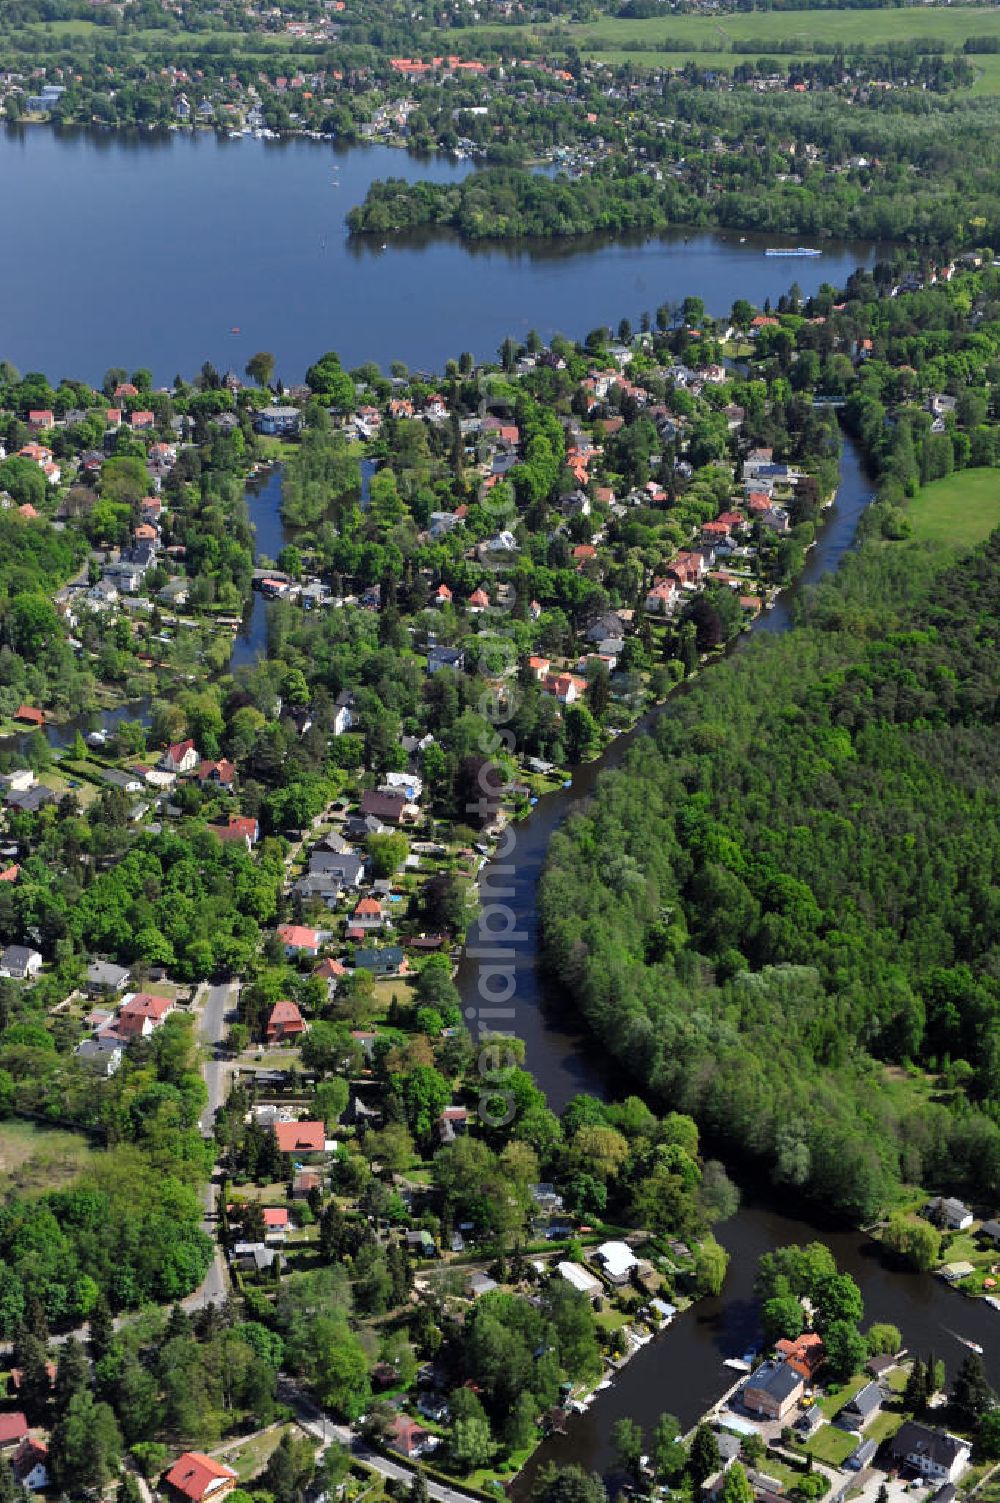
<point>862,1409</point>
<point>285,1022</point>
<point>20,963</point>
<point>805,1354</point>
<point>773,1390</point>
<point>480,1284</point>
<point>300,1137</point>
<point>103,977</point>
<point>949,1212</point>
<point>30,1465</point>
<point>239,829</point>
<point>662,597</point>
<point>139,1015</point>
<point>342,707</point>
<point>935,1454</point>
<point>565,687</point>
<point>445,657</point>
<point>195,1477</point>
<point>180,757</point>
<point>283,422</point>
<point>617,1259</point>
<point>388,961</point>
<point>221,774</point>
<point>407,1437</point>
<point>13,1429</point>
<point>299,940</point>
<point>391,808</point>
<point>578,1278</point>
<point>368,914</point>
<point>103,1053</point>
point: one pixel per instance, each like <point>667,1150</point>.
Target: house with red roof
<point>125,389</point>
<point>407,1437</point>
<point>442,595</point>
<point>41,417</point>
<point>13,1429</point>
<point>239,829</point>
<point>539,668</point>
<point>180,757</point>
<point>195,1476</point>
<point>298,940</point>
<point>285,1022</point>
<point>139,1015</point>
<point>142,419</point>
<point>565,687</point>
<point>300,1137</point>
<point>689,569</point>
<point>805,1355</point>
<point>479,600</point>
<point>30,1465</point>
<point>368,914</point>
<point>29,715</point>
<point>221,774</point>
<point>661,599</point>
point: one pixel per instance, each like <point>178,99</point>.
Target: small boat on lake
<point>792,250</point>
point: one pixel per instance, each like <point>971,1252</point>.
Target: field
<point>663,41</point>
<point>960,510</point>
<point>33,1157</point>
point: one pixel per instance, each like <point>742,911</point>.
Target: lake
<point>147,250</point>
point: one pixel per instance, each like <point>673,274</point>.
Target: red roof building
<point>285,1022</point>
<point>195,1476</point>
<point>296,937</point>
<point>28,715</point>
<point>300,1137</point>
<point>13,1428</point>
<point>242,829</point>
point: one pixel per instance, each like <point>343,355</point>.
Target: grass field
<point>611,38</point>
<point>33,1157</point>
<point>960,510</point>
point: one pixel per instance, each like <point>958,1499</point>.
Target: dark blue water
<point>148,250</point>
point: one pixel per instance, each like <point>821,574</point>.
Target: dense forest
<point>780,914</point>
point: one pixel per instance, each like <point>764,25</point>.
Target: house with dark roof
<point>935,1454</point>
<point>862,1409</point>
<point>773,1390</point>
<point>385,962</point>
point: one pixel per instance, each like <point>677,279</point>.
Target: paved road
<point>326,1430</point>
<point>217,1008</point>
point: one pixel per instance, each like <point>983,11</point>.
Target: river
<point>179,238</point>
<point>681,1371</point>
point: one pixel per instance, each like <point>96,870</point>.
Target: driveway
<point>218,1006</point>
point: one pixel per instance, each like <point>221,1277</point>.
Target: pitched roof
<point>13,1426</point>
<point>298,936</point>
<point>194,1473</point>
<point>284,1015</point>
<point>300,1137</point>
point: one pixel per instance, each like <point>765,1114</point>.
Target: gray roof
<point>105,973</point>
<point>775,1378</point>
<point>866,1400</point>
<point>913,1439</point>
<point>347,865</point>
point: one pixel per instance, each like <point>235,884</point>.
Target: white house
<point>935,1454</point>
<point>617,1259</point>
<point>949,1212</point>
<point>19,963</point>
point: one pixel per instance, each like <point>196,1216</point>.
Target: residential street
<point>217,1005</point>
<point>316,1423</point>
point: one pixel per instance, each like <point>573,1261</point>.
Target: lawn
<point>36,1158</point>
<point>960,510</point>
<point>832,1445</point>
<point>611,38</point>
<point>251,1456</point>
